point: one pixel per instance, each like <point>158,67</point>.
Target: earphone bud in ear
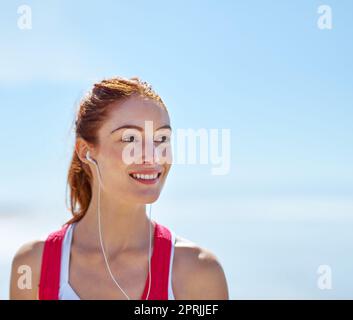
<point>88,157</point>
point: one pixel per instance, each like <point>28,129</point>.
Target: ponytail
<point>79,180</point>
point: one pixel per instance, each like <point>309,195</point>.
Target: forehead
<point>135,111</point>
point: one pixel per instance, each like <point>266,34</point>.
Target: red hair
<point>93,110</point>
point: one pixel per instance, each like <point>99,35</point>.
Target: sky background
<point>262,69</point>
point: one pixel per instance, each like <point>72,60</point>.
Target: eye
<point>130,138</point>
<point>162,138</point>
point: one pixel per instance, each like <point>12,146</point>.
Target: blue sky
<point>262,69</point>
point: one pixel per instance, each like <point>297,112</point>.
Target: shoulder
<point>197,273</point>
<point>25,270</point>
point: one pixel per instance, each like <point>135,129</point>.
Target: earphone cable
<point>102,245</point>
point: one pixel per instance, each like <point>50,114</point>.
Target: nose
<point>149,153</point>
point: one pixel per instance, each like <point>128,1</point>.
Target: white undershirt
<point>66,292</point>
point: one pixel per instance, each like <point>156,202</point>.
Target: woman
<point>110,249</point>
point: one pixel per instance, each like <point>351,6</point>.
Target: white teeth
<point>145,176</point>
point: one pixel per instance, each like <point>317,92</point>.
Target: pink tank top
<point>49,284</point>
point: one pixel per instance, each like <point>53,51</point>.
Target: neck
<point>124,225</point>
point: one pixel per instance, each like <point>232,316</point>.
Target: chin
<point>147,199</point>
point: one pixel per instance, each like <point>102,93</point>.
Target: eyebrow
<point>131,126</point>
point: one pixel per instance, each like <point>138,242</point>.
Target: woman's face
<point>134,154</point>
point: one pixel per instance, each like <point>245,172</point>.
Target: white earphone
<point>101,238</point>
<point>88,157</point>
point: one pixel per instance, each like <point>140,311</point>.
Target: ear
<point>82,147</point>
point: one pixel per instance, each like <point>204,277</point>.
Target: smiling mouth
<point>145,178</point>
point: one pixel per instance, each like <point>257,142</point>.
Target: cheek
<point>117,153</point>
<point>115,164</point>
<point>128,154</point>
<point>164,155</point>
<point>167,167</point>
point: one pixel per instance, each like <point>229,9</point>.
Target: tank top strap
<point>160,262</point>
<point>51,262</point>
